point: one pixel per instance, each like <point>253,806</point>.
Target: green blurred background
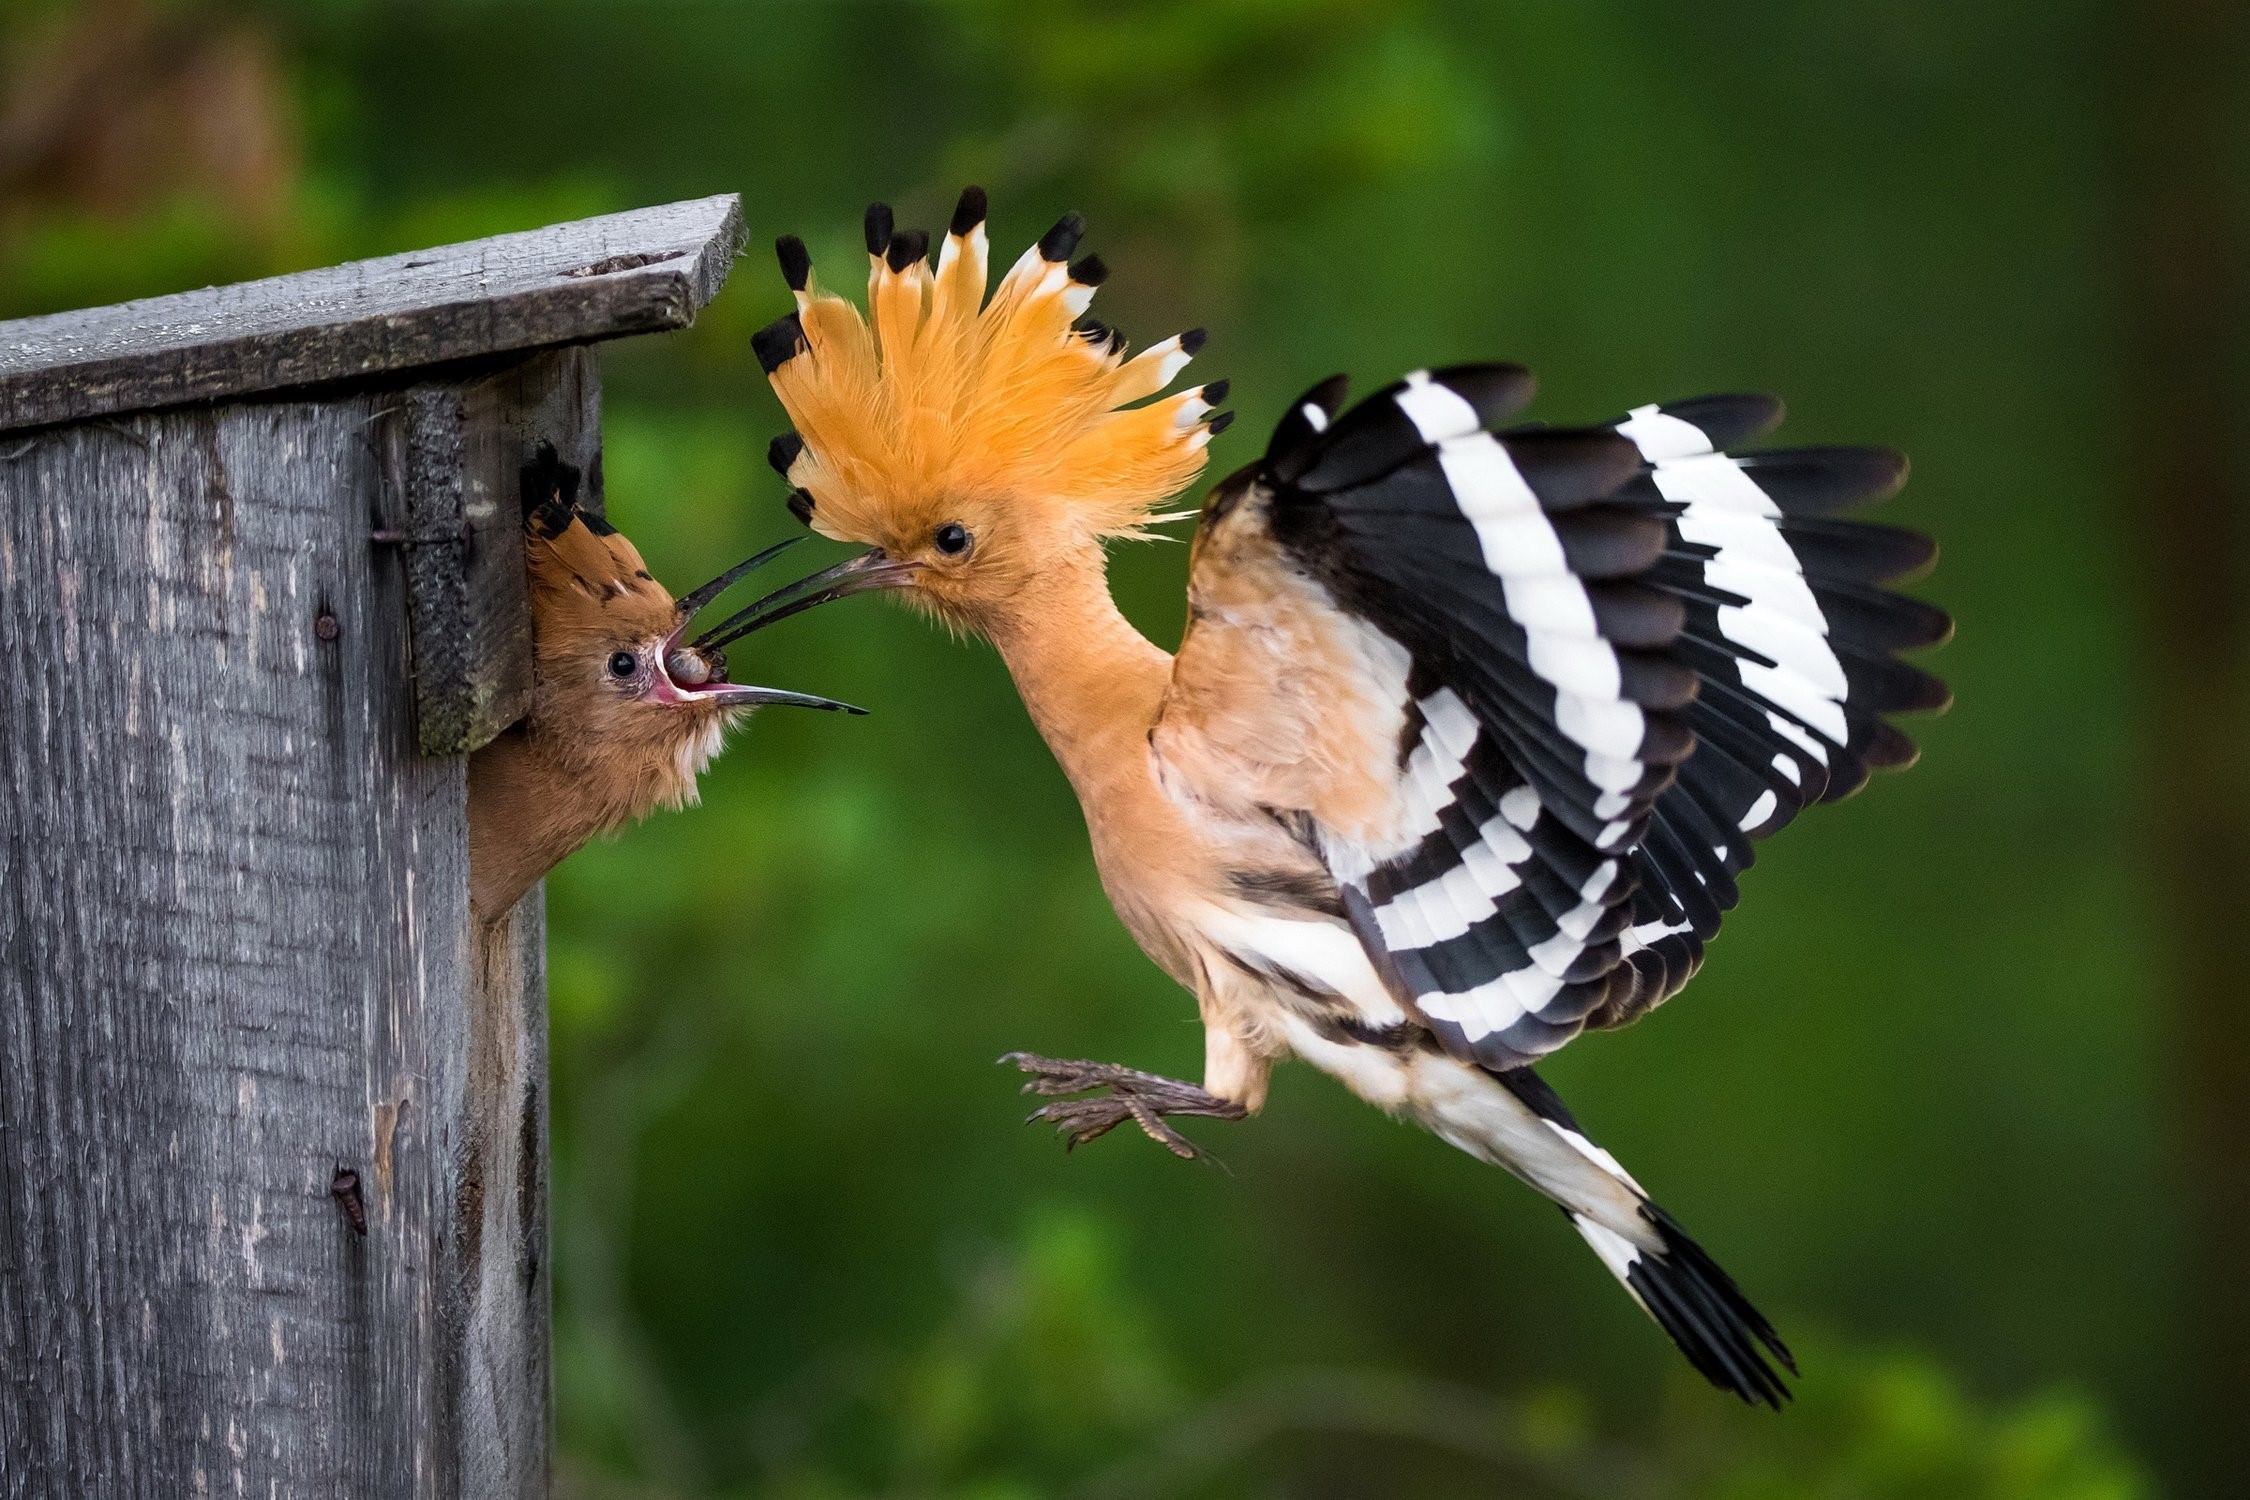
<point>1957,1095</point>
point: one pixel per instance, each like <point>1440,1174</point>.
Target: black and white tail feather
<point>1632,654</point>
<point>1676,1282</point>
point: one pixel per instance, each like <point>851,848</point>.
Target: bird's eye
<point>952,538</point>
<point>624,664</point>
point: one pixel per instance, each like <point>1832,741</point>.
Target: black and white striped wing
<point>1624,655</point>
<point>1794,640</point>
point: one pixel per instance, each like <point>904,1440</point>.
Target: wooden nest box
<point>273,1112</point>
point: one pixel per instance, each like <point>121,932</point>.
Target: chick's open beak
<point>695,671</point>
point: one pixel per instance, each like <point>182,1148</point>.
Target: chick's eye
<point>952,538</point>
<point>624,664</point>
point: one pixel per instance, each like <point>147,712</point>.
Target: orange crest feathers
<point>938,393</point>
<point>580,562</point>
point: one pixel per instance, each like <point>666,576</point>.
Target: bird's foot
<point>1119,1094</point>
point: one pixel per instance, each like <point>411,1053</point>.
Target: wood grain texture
<point>638,272</point>
<point>461,447</point>
<point>236,954</point>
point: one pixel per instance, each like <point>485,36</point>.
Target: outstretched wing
<point>1795,642</point>
<point>1533,693</point>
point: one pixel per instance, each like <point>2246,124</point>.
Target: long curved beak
<point>743,695</point>
<point>695,671</point>
<point>872,569</point>
<point>694,601</point>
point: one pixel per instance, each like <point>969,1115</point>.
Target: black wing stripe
<point>1880,620</point>
<point>1701,424</point>
<point>1750,759</point>
<point>1520,539</point>
<point>1633,654</point>
<point>1586,750</point>
<point>1792,638</point>
<point>1396,425</point>
<point>1493,852</point>
<point>1293,445</point>
<point>1511,960</point>
<point>1506,929</point>
<point>1558,639</point>
<point>1825,481</point>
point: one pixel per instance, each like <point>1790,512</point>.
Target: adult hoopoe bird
<point>1473,727</point>
<point>626,711</point>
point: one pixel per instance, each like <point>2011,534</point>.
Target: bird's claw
<point>1129,1094</point>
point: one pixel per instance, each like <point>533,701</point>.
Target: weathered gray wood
<point>637,272</point>
<point>236,954</point>
<point>242,646</point>
<point>461,446</point>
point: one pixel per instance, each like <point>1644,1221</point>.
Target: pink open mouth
<point>686,675</point>
<point>692,672</point>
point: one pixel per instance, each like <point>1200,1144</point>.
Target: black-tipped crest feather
<point>1061,242</point>
<point>969,212</point>
<point>796,261</point>
<point>778,342</point>
<point>907,247</point>
<point>783,451</point>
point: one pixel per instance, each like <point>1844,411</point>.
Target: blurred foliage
<point>802,1247</point>
<point>1047,1356</point>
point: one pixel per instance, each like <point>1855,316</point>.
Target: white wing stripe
<point>1496,1004</point>
<point>1646,934</point>
<point>1789,729</point>
<point>1660,436</point>
<point>1555,956</point>
<point>1753,538</point>
<point>1521,547</point>
<point>1404,924</point>
<point>1716,481</point>
<point>1617,772</point>
<point>1486,483</point>
<point>1786,690</point>
<point>1494,857</point>
<point>1450,904</point>
<point>1520,544</point>
<point>1435,764</point>
<point>1782,592</point>
<point>1725,509</point>
<point>1586,666</point>
<point>1448,719</point>
<point>1555,603</point>
<point>1436,412</point>
<point>1787,644</point>
<point>1607,726</point>
<point>1598,884</point>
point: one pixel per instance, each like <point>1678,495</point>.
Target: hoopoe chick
<point>626,711</point>
<point>1473,727</point>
